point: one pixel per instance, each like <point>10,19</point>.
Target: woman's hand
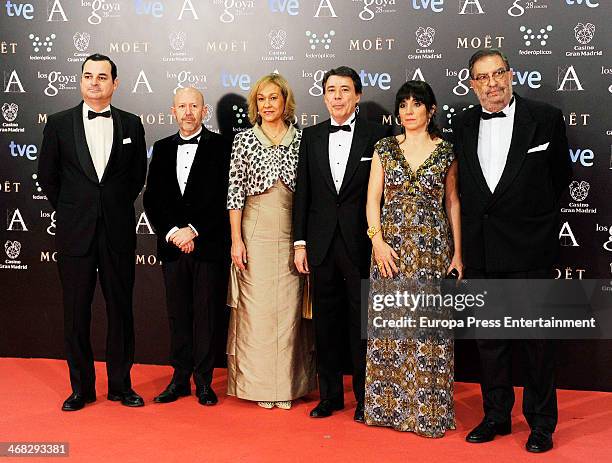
<point>457,264</point>
<point>239,254</point>
<point>385,257</point>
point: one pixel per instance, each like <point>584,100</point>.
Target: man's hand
<point>182,236</point>
<point>187,248</point>
<point>301,261</point>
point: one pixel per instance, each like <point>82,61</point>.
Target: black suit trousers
<point>337,288</point>
<point>78,278</point>
<point>195,290</point>
<point>538,360</point>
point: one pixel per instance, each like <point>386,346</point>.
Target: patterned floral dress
<point>409,380</point>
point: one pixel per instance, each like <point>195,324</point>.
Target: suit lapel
<point>81,147</point>
<point>321,150</point>
<point>358,145</point>
<point>198,161</point>
<point>117,142</point>
<point>472,124</point>
<point>522,134</point>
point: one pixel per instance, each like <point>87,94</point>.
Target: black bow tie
<point>488,116</point>
<point>337,128</point>
<point>191,141</point>
<point>92,114</point>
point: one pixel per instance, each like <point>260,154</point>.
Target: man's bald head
<point>189,110</point>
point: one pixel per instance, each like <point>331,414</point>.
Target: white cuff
<point>299,243</point>
<point>193,229</point>
<point>169,234</point>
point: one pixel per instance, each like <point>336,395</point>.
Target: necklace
<point>273,137</point>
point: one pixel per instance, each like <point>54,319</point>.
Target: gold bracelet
<point>372,231</point>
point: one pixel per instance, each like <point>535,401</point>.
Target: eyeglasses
<point>496,75</point>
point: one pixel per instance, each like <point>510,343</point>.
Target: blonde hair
<point>281,82</point>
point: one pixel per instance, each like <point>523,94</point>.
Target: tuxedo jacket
<point>82,202</point>
<point>515,227</point>
<point>318,209</point>
<point>203,204</point>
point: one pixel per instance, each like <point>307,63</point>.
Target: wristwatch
<point>372,231</point>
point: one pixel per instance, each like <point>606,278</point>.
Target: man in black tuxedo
<point>92,166</point>
<point>513,167</point>
<point>330,231</point>
<point>185,201</point>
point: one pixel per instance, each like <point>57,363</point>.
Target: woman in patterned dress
<point>270,356</point>
<point>415,238</point>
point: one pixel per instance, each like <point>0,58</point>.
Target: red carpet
<point>32,391</point>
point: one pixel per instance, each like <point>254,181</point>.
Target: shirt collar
<point>266,142</point>
<point>197,134</point>
<point>87,108</point>
<point>350,121</point>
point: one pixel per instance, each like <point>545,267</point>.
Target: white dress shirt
<point>494,137</point>
<point>339,149</point>
<point>185,154</point>
<point>99,136</point>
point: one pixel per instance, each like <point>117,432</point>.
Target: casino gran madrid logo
<point>536,38</point>
<point>9,113</point>
<point>277,44</point>
<point>369,9</point>
<point>584,33</point>
<point>425,36</point>
<point>231,9</point>
<point>100,10</point>
<point>519,7</point>
<point>12,249</point>
<point>177,53</point>
<point>80,41</point>
<point>320,44</point>
<point>42,45</point>
<point>579,191</point>
<point>58,82</point>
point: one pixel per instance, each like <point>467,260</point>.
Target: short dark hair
<point>99,57</point>
<point>344,71</point>
<point>422,92</point>
<point>483,53</point>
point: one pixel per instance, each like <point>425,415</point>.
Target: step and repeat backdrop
<point>558,49</point>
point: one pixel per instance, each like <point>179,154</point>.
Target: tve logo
<point>530,78</point>
<point>437,6</point>
<point>23,10</point>
<point>381,80</point>
<point>28,151</point>
<point>584,156</point>
<point>291,7</point>
<point>149,8</point>
<point>242,81</point>
<point>589,3</point>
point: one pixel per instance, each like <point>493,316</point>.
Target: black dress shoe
<point>76,401</point>
<point>325,409</point>
<point>359,415</point>
<point>487,430</point>
<point>129,398</point>
<point>206,396</point>
<point>172,393</point>
<point>539,441</point>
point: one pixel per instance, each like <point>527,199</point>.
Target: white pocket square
<point>127,140</point>
<point>538,148</point>
<point>365,159</point>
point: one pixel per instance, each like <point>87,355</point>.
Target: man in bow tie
<point>185,201</point>
<point>92,166</point>
<point>513,167</point>
<point>330,232</point>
